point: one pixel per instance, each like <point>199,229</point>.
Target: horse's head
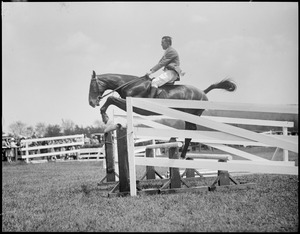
<point>96,91</point>
<point>125,85</point>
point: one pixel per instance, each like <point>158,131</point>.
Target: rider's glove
<point>148,74</point>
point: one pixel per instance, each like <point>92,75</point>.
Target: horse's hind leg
<point>185,147</point>
<point>188,126</point>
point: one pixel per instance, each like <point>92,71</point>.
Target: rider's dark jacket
<point>170,61</point>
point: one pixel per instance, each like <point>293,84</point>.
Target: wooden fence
<point>77,140</point>
<point>91,154</point>
<point>223,135</point>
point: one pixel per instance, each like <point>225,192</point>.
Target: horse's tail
<point>226,84</point>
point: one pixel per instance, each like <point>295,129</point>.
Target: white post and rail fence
<point>75,143</point>
<point>222,136</point>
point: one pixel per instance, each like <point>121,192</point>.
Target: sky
<point>49,50</point>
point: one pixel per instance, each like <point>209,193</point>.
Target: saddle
<point>161,91</point>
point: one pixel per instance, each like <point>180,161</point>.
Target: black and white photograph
<point>150,116</point>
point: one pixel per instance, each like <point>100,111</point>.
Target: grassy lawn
<point>65,197</point>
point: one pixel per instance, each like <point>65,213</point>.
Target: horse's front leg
<point>119,102</point>
<point>103,112</point>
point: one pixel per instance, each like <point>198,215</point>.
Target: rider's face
<point>164,44</point>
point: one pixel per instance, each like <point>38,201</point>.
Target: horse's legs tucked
<point>121,103</point>
<point>188,126</point>
<point>103,109</point>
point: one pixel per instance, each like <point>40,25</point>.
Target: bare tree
<point>29,131</point>
<point>40,129</point>
<point>18,128</point>
<point>67,126</point>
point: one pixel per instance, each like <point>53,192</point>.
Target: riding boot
<point>153,92</point>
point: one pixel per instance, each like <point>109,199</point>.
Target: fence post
<point>150,172</point>
<point>285,152</point>
<point>115,146</point>
<point>223,178</point>
<point>109,157</point>
<point>123,160</point>
<point>190,172</point>
<point>27,152</point>
<point>174,172</point>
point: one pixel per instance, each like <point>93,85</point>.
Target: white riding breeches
<point>167,76</point>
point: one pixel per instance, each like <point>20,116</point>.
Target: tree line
<point>20,129</point>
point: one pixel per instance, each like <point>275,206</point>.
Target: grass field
<point>59,197</point>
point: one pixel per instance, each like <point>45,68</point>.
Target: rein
<point>129,82</point>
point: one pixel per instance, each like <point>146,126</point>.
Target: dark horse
<point>133,86</point>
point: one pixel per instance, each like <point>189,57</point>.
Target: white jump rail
<point>28,148</point>
<point>255,165</point>
<point>213,138</point>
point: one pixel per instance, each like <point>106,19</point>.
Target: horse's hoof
<point>182,155</point>
<point>110,127</point>
<point>105,119</point>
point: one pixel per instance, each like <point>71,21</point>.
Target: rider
<point>170,62</point>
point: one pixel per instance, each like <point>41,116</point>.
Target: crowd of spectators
<point>91,141</point>
<point>56,148</point>
<point>9,148</point>
<point>12,148</point>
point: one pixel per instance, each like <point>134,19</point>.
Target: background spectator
<point>12,152</point>
<point>5,149</point>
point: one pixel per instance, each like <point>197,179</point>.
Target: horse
<point>134,86</point>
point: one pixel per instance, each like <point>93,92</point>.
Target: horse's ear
<point>94,74</point>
